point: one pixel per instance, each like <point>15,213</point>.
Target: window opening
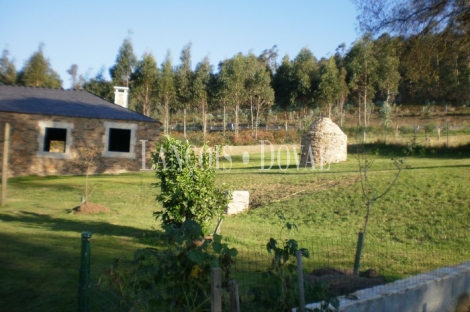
<point>55,140</point>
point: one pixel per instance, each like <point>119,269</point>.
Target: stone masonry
<point>86,132</point>
<point>323,143</point>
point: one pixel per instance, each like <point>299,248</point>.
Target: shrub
<point>176,278</point>
<point>187,183</point>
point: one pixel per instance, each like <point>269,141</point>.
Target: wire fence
<point>384,259</point>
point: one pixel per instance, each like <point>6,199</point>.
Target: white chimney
<point>120,96</point>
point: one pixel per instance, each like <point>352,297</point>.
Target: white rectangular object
<point>240,202</point>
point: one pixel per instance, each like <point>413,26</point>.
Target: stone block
<point>240,202</point>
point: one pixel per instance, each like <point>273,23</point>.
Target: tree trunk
<point>225,122</point>
<point>359,112</point>
<point>184,122</point>
<point>204,122</point>
<point>285,125</point>
<point>237,106</point>
<point>166,123</point>
<point>256,122</point>
<point>251,114</point>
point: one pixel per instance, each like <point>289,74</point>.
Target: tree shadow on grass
<point>39,272</point>
<point>44,221</point>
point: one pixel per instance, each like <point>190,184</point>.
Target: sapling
<point>87,157</point>
<point>372,194</point>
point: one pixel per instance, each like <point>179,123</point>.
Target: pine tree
<point>37,72</point>
<point>126,62</point>
<point>7,69</point>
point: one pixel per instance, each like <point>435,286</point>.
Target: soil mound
<point>342,282</point>
<point>90,208</point>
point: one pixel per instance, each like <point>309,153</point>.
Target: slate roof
<point>60,102</point>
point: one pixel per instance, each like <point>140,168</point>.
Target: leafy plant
<point>174,278</point>
<point>187,183</point>
<point>280,290</point>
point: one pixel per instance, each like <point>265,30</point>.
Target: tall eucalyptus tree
<point>362,65</point>
<point>166,90</point>
<point>232,79</point>
<point>183,82</point>
<point>200,90</point>
<point>144,88</point>
<point>329,88</point>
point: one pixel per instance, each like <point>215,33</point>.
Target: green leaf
<point>196,257</point>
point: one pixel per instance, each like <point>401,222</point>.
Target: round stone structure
<point>323,143</point>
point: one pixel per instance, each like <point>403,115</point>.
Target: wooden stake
<point>300,276</point>
<point>234,297</point>
<point>216,290</point>
<point>6,145</point>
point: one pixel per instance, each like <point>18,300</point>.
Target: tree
<point>258,88</point>
<point>144,89</point>
<point>343,93</point>
<point>283,85</point>
<point>183,83</point>
<point>37,72</point>
<point>362,66</point>
<point>343,85</point>
<point>200,90</point>
<point>100,86</point>
<point>305,77</point>
<point>388,75</point>
<point>77,80</point>
<point>7,69</point>
<point>372,193</point>
<point>329,88</point>
<point>252,68</point>
<point>87,158</point>
<point>232,78</point>
<point>429,26</point>
<point>166,89</point>
<point>264,96</point>
<point>126,62</point>
<point>217,95</point>
<point>269,58</point>
<point>414,16</point>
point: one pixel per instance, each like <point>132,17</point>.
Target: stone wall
<point>26,158</point>
<point>323,143</point>
<point>435,291</point>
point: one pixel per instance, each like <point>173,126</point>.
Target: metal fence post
<point>84,277</point>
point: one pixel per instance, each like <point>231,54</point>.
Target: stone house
<point>323,143</point>
<point>52,129</point>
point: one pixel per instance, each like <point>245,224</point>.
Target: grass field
<point>422,223</point>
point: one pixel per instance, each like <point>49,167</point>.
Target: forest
<point>426,66</point>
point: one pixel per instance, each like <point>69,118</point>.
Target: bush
<point>187,183</point>
<point>176,278</point>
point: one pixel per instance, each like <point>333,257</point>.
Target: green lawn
<point>421,224</point>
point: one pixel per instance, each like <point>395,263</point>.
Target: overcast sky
<point>89,33</point>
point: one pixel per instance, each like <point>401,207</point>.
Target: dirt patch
<point>90,208</point>
<point>342,282</point>
<point>265,194</point>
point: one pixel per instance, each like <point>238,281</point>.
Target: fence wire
<point>391,259</point>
